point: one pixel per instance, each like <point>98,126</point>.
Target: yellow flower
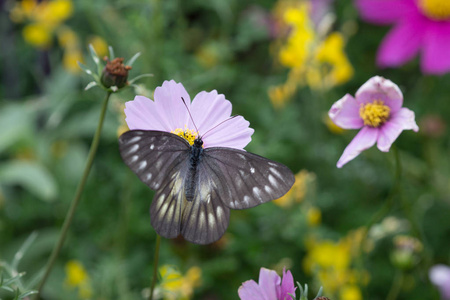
<point>176,286</point>
<point>43,18</point>
<point>314,58</point>
<point>314,216</point>
<point>37,34</point>
<point>99,44</point>
<point>298,190</point>
<point>350,292</point>
<point>71,59</point>
<point>333,128</point>
<point>330,262</point>
<point>77,277</point>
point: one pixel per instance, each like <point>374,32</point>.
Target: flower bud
<point>115,73</point>
<point>407,251</point>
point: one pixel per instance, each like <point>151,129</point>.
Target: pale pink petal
<point>401,44</point>
<point>250,290</point>
<point>385,11</point>
<point>436,56</point>
<point>440,276</point>
<point>170,106</point>
<point>234,133</point>
<point>287,286</point>
<point>379,88</point>
<point>209,109</point>
<point>141,114</point>
<point>365,139</point>
<point>404,119</point>
<point>345,113</point>
<point>268,282</point>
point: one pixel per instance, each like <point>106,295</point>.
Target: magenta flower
<point>270,286</point>
<point>377,110</point>
<point>440,276</point>
<point>168,113</point>
<point>419,26</point>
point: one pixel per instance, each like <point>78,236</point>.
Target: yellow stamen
<point>375,113</point>
<point>187,134</point>
<point>438,10</point>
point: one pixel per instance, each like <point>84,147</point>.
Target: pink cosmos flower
<point>377,110</point>
<point>208,109</point>
<point>440,276</point>
<point>270,286</point>
<point>419,26</point>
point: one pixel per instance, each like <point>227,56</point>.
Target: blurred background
<point>282,64</point>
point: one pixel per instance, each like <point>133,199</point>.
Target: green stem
<point>155,265</point>
<point>396,286</point>
<point>76,199</point>
<point>385,209</point>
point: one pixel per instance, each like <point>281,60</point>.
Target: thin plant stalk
<point>385,209</point>
<point>155,265</point>
<point>76,199</point>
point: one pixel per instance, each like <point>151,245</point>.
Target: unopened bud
<point>115,73</point>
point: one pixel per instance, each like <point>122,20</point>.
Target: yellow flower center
<point>187,134</point>
<point>375,113</point>
<point>438,10</point>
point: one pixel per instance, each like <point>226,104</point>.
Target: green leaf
<point>19,254</point>
<point>111,53</point>
<point>15,124</point>
<point>26,294</point>
<point>30,175</point>
<point>131,81</point>
<point>131,61</point>
<point>94,54</point>
<point>90,85</point>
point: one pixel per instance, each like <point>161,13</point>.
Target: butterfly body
<point>196,187</point>
<point>196,152</point>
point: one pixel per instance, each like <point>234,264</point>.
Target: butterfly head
<point>198,142</point>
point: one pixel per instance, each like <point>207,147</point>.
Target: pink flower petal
<point>345,113</point>
<point>141,114</point>
<point>234,133</point>
<point>379,88</point>
<point>440,276</point>
<point>365,139</point>
<point>169,104</point>
<point>209,109</point>
<point>268,282</point>
<point>401,44</point>
<point>402,120</point>
<point>384,11</point>
<point>250,290</point>
<point>287,286</point>
<point>435,57</point>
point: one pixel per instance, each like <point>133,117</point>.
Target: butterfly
<point>196,187</point>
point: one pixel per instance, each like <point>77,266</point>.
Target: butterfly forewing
<point>153,155</point>
<point>246,179</point>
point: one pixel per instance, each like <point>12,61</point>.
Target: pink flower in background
<point>168,113</point>
<point>376,110</point>
<point>419,26</point>
<point>440,276</point>
<point>269,287</point>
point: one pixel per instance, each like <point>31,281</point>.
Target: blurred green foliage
<point>47,122</point>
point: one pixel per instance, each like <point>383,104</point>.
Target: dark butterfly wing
<point>205,219</point>
<point>153,155</point>
<point>246,179</point>
<point>161,161</point>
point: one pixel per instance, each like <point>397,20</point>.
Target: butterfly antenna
<point>230,118</point>
<point>192,119</point>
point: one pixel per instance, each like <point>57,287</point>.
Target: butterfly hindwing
<point>205,219</point>
<point>246,179</point>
